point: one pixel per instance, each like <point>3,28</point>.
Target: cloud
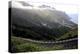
<point>16,4</point>
<point>25,3</point>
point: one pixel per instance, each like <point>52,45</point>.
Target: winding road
<point>47,42</point>
<point>67,44</point>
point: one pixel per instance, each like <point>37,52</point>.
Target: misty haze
<point>41,27</point>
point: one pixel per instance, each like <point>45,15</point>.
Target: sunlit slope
<point>71,34</point>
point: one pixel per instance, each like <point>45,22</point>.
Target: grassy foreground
<point>20,45</point>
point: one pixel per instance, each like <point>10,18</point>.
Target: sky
<point>67,6</point>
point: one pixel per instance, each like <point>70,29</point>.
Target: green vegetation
<point>20,45</point>
<point>71,34</point>
<point>45,25</point>
<point>39,33</point>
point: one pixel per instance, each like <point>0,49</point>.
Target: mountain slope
<point>41,24</point>
<point>38,16</point>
